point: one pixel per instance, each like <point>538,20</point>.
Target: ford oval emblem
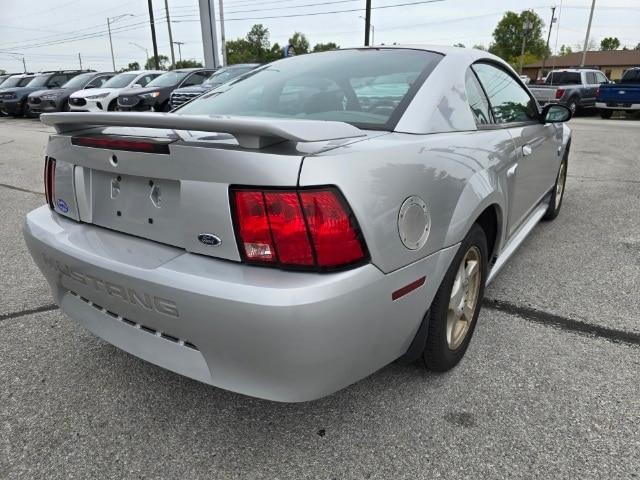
<point>209,239</point>
<point>62,205</point>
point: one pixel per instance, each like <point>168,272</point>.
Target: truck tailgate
<point>620,93</point>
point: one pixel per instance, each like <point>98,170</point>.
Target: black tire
<point>556,203</point>
<point>66,107</point>
<point>606,114</point>
<point>437,355</point>
<point>572,105</point>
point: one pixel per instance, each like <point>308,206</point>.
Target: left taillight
<point>308,229</point>
<point>49,180</point>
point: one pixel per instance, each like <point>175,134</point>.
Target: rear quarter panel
<point>458,175</point>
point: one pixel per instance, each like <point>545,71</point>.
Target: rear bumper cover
<point>618,106</point>
<point>284,336</point>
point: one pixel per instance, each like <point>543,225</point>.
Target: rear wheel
<point>557,194</point>
<point>606,114</point>
<point>454,310</point>
<point>573,106</point>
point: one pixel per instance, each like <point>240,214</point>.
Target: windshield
<point>120,81</point>
<point>16,82</point>
<point>631,76</point>
<point>167,79</point>
<point>79,81</point>
<point>225,75</point>
<point>367,88</point>
<point>563,78</point>
<point>39,81</point>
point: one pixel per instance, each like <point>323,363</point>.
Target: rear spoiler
<point>250,132</point>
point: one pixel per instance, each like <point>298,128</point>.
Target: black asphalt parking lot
<point>549,388</point>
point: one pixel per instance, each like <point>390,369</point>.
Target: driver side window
<point>510,102</point>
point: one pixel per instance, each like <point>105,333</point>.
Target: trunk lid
<point>177,196</point>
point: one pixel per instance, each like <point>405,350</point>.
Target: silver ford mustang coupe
<point>292,233</point>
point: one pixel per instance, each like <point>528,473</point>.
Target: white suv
<point>104,99</point>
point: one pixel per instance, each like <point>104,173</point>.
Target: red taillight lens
<point>559,93</point>
<point>49,180</point>
<point>335,239</point>
<point>307,229</point>
<point>121,144</point>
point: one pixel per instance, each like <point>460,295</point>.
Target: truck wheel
<point>557,194</point>
<point>573,106</point>
<point>454,310</point>
<point>606,114</point>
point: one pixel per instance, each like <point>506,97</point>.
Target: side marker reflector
<point>408,288</point>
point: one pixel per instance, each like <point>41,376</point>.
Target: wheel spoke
<point>471,269</point>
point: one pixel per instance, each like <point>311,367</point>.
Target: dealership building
<point>612,62</point>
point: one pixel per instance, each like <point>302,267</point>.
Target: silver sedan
<point>291,233</point>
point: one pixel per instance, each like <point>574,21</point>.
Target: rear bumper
<point>617,106</point>
<point>284,336</point>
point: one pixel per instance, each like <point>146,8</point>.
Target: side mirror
<point>136,85</point>
<point>555,113</point>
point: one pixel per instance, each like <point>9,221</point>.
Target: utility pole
<point>156,60</point>
<point>222,39</point>
<point>80,59</point>
<point>24,64</point>
<point>526,26</point>
<point>367,23</point>
<point>586,38</point>
<point>373,42</point>
<point>553,19</point>
<point>179,48</point>
<point>113,60</point>
<point>173,57</point>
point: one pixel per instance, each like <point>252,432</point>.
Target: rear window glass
<point>563,78</point>
<point>366,88</point>
<point>631,76</point>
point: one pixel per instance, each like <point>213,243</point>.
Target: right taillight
<point>311,229</point>
<point>49,180</point>
<point>559,93</point>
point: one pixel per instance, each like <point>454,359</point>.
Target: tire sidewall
<point>437,355</point>
<point>554,210</point>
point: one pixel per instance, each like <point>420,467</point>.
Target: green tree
<point>300,43</point>
<point>510,31</point>
<point>479,46</point>
<point>565,50</point>
<point>461,45</point>
<point>610,43</point>
<point>323,47</point>
<point>2,72</point>
<point>258,40</point>
<point>637,47</point>
<point>189,63</point>
<point>163,63</point>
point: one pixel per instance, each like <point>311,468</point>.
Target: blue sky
<point>42,30</point>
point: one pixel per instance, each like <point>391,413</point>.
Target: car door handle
<point>526,150</point>
<point>512,170</point>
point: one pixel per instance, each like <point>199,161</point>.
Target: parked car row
<point>86,90</point>
<point>589,88</point>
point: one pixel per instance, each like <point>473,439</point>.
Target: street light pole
<point>109,22</point>
<point>113,60</point>
<point>146,50</point>
<point>156,60</point>
<point>553,19</point>
<point>526,26</point>
<point>586,38</point>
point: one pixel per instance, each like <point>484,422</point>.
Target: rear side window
<point>195,79</point>
<point>591,78</point>
<point>477,100</point>
<point>510,102</point>
<point>563,78</point>
<point>631,76</point>
<point>600,78</point>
